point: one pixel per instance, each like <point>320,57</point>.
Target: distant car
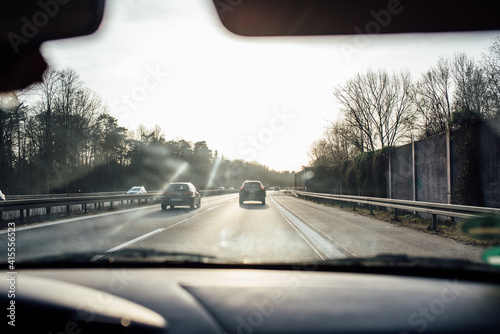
<point>252,191</point>
<point>231,188</point>
<point>136,190</point>
<point>221,188</point>
<point>277,188</point>
<point>272,188</point>
<point>2,196</point>
<point>179,194</point>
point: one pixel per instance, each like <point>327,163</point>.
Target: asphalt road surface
<point>285,229</point>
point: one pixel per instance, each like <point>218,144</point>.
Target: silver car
<point>137,190</point>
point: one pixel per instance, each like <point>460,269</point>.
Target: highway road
<point>285,229</point>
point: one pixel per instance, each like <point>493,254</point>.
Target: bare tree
<point>336,146</point>
<point>378,108</point>
<point>12,118</point>
<point>40,126</point>
<point>471,86</point>
<point>433,99</point>
<point>62,117</point>
<point>320,153</point>
<point>491,65</point>
<point>357,109</point>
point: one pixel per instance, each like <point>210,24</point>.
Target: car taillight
<point>188,193</point>
<point>262,188</point>
<point>166,193</point>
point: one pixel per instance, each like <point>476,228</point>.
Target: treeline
<point>365,175</point>
<point>379,109</point>
<point>58,136</point>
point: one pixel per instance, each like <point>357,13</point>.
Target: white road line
<point>317,240</point>
<point>71,220</point>
<point>302,235</point>
<point>64,221</point>
<point>114,249</point>
<point>149,234</point>
<point>322,233</point>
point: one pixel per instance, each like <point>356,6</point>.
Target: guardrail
<point>24,206</point>
<point>435,209</point>
<point>42,196</point>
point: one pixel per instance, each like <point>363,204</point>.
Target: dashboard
<point>180,300</point>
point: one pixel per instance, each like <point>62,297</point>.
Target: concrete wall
<point>437,168</point>
<point>401,173</point>
<point>489,145</point>
<point>430,181</point>
<point>456,158</point>
<point>431,169</point>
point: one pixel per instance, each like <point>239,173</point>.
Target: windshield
<point>177,187</point>
<point>163,93</point>
<point>252,185</point>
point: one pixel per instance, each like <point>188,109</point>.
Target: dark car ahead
<point>252,191</point>
<point>179,194</point>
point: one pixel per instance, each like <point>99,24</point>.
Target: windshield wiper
<point>401,264</point>
<point>403,260</point>
<point>125,256</point>
<point>398,259</point>
<point>386,264</point>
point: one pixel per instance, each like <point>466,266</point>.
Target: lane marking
<point>114,249</point>
<point>317,240</point>
<point>303,236</point>
<point>71,220</point>
<point>150,234</point>
<point>321,232</point>
<point>64,221</point>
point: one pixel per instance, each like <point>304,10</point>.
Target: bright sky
<point>172,64</point>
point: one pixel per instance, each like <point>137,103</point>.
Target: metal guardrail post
<point>396,214</point>
<point>434,221</point>
<point>371,210</point>
<point>21,216</point>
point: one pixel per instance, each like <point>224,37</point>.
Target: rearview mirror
<point>28,23</point>
<point>348,17</point>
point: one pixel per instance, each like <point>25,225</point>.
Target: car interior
<point>391,294</point>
